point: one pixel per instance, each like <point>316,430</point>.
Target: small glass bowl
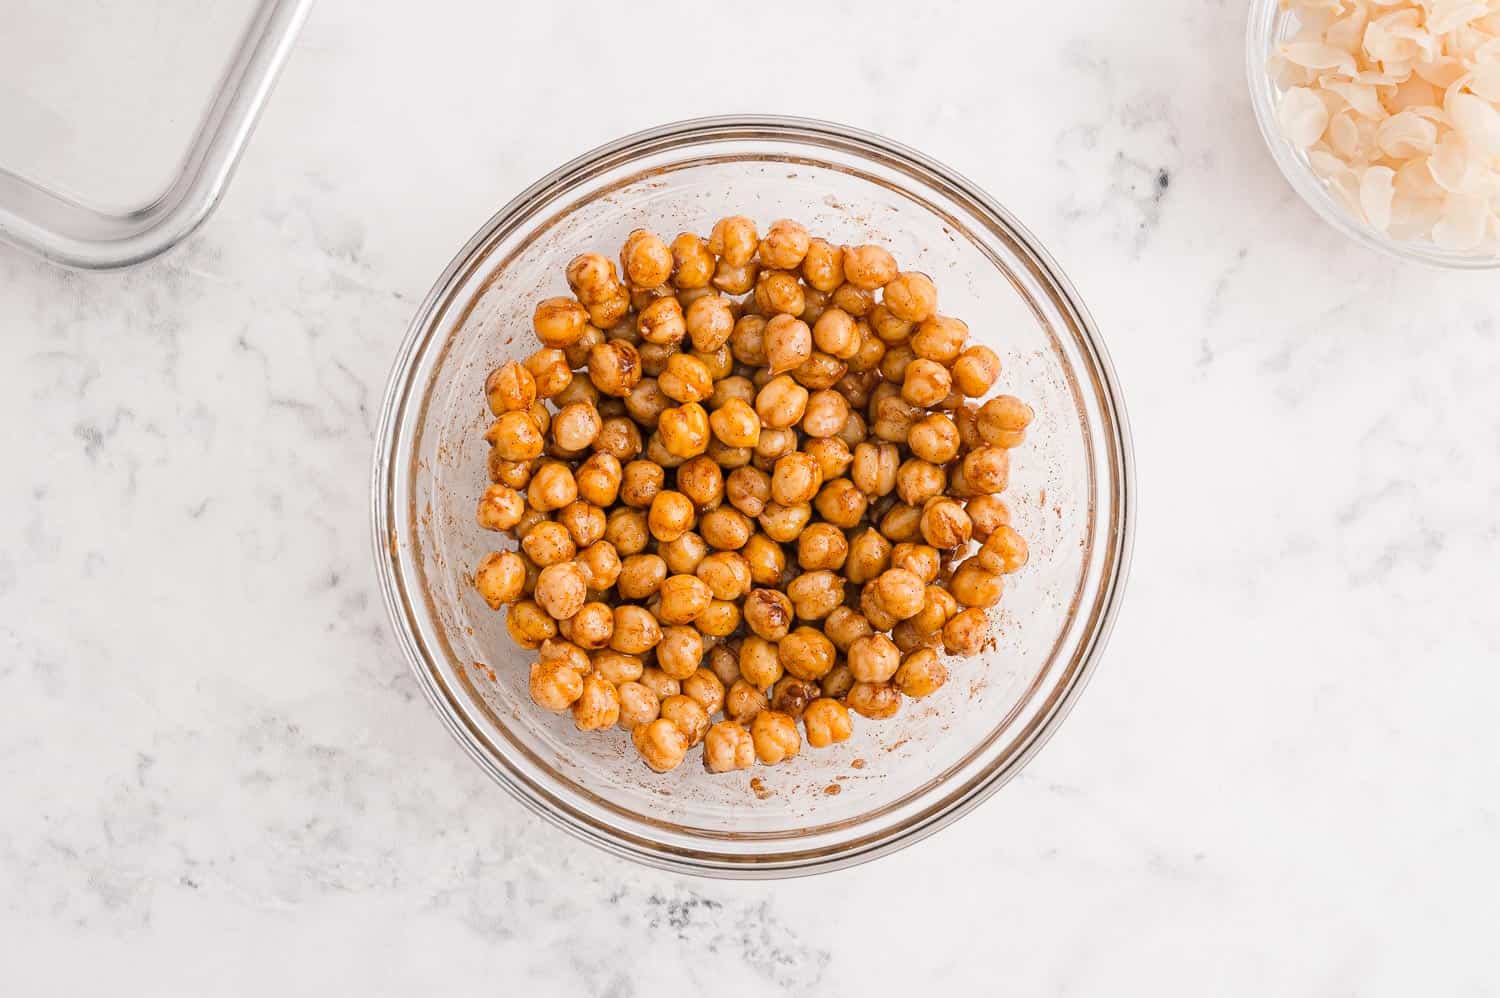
<point>1268,27</point>
<point>894,781</point>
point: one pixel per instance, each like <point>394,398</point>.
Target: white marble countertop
<point>219,778</point>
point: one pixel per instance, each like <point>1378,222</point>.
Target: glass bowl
<point>1268,27</point>
<point>894,781</point>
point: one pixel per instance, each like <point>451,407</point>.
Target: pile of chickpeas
<point>756,491</point>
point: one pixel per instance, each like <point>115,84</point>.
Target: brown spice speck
<point>832,788</point>
<point>858,764</point>
<point>758,785</point>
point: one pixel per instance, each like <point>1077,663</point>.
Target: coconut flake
<point>1404,135</point>
<point>1303,117</point>
<point>1375,195</point>
<point>1463,224</point>
<point>1476,120</point>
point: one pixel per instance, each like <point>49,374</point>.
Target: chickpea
<point>593,626</point>
<point>827,721</point>
<point>868,267</point>
<point>600,564</point>
<point>806,654</point>
<point>944,524</point>
<point>778,292</point>
<point>528,521</point>
<point>988,513</point>
<point>784,523</point>
<point>902,523</point>
<point>1002,421</point>
<point>709,322</point>
<point>510,388</point>
<point>683,597</point>
<point>892,330</point>
<point>661,322</point>
<point>671,516</point>
<point>973,586</point>
<point>515,437</point>
<point>617,667</point>
<point>835,333</point>
<point>832,455</point>
<point>767,560</point>
<point>869,556</point>
<point>727,747</point>
<point>618,438</point>
<point>836,684</point>
<point>552,487</point>
<point>641,575</point>
<point>876,701</point>
<point>760,664</point>
<point>822,546</point>
<point>614,367</point>
<point>548,543</point>
<point>554,686</point>
<point>661,744</point>
<point>500,578</point>
<point>641,484</point>
<point>841,504</point>
<point>856,301</point>
<point>791,695</point>
<point>657,453</point>
<point>683,554</point>
<point>975,371</point>
<point>1003,553</point>
<point>911,296</point>
<point>529,625</point>
<point>598,480</point>
<point>894,417</point>
<point>702,482</point>
<point>688,715</point>
<point>785,245</point>
<point>775,736</point>
<point>926,382</point>
<point>639,705</point>
<point>734,240</point>
<point>591,275</point>
<point>820,371</point>
<point>987,469</point>
<point>934,438</point>
<point>646,259</point>
<point>726,529</point>
<point>844,626</point>
<point>780,404</point>
<point>788,342</point>
<point>659,682</point>
<point>561,590</point>
<point>900,592</point>
<point>734,280</point>
<point>940,338</point>
<point>796,479</point>
<point>775,443</point>
<point>627,530</point>
<point>515,474</point>
<point>636,631</point>
<point>875,468</point>
<point>823,265</point>
<point>550,371</point>
<point>736,424</point>
<point>559,322</point>
<point>768,614</point>
<point>684,430</point>
<point>748,340</point>
<point>720,620</point>
<point>875,610</point>
<point>705,687</point>
<point>692,263</point>
<point>825,415</point>
<point>500,508</point>
<point>577,352</point>
<point>918,481</point>
<point>748,490</point>
<point>921,674</point>
<point>744,701</point>
<point>577,426</point>
<point>966,633</point>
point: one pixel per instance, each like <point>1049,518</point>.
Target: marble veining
<point>219,778</point>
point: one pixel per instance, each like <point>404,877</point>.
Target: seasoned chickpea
<point>657,453</point>
<point>692,263</point>
<point>893,367</point>
<point>720,620</point>
<point>736,424</point>
<point>926,382</point>
<point>593,626</point>
<point>707,689</point>
<point>552,487</point>
<point>710,322</point>
<point>577,352</point>
<point>608,310</point>
<point>966,632</point>
<point>760,664</point>
<point>778,292</point>
<point>841,503</point>
<point>894,417</point>
<point>822,546</point>
<point>855,300</point>
<point>501,576</point>
<point>683,597</point>
<point>921,673</point>
<point>776,738</point>
<point>561,590</point>
<point>944,524</point>
<point>911,296</point>
<point>727,747</point>
<point>672,515</point>
<point>659,682</point>
<point>871,353</point>
<point>918,481</point>
<point>627,530</point>
<point>516,437</point>
<point>683,554</point>
<point>806,653</point>
<point>876,701</point>
<point>686,379</point>
<point>869,556</point>
<point>868,267</point>
<point>598,479</point>
<point>734,240</point>
<point>600,564</point>
<point>774,444</point>
<point>825,414</point>
<point>640,483</point>
<point>617,667</point>
<point>987,469</point>
<point>661,322</point>
<point>975,371</point>
<point>577,426</point>
<point>989,513</point>
<point>844,626</point>
<point>590,274</point>
<point>554,686</point>
<point>788,342</point>
<point>891,329</point>
<point>661,744</point>
<point>783,524</point>
<point>559,322</point>
<point>744,701</point>
<point>500,508</point>
<point>516,474</point>
<point>1002,421</point>
<point>873,659</point>
<point>646,259</point>
<point>780,404</point>
<point>935,439</point>
<point>619,438</point>
<point>529,519</point>
<point>827,721</point>
<point>767,560</point>
<point>874,610</point>
<point>768,614</point>
<point>973,586</point>
<point>837,683</point>
<point>940,338</point>
<point>835,333</point>
<point>548,543</point>
<point>796,479</point>
<point>748,341</point>
<point>823,265</point>
<point>875,468</point>
<point>832,455</point>
<point>550,371</point>
<point>1004,552</point>
<point>639,705</point>
<point>902,523</point>
<point>614,367</point>
<point>529,625</point>
<point>900,592</point>
<point>791,695</point>
<point>510,388</point>
<point>734,280</point>
<point>785,245</point>
<point>636,631</point>
<point>820,371</point>
<point>641,575</point>
<point>688,715</point>
<point>748,490</point>
<point>725,529</point>
<point>684,430</point>
<point>921,560</point>
<point>702,481</point>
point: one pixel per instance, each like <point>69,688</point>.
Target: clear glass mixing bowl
<point>895,781</point>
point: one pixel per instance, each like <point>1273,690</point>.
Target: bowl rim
<point>1119,540</point>
<point>1260,39</point>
